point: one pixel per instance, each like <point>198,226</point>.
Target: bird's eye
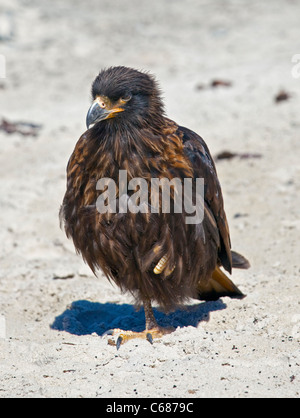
<point>102,104</point>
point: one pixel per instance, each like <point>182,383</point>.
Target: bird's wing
<point>203,166</point>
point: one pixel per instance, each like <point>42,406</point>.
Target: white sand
<point>51,345</point>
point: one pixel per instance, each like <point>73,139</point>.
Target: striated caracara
<point>157,255</point>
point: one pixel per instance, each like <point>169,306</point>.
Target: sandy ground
<point>52,309</point>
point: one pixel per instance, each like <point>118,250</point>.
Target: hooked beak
<point>97,113</point>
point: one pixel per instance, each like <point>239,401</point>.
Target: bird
<point>157,256</point>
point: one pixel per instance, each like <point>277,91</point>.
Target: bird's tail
<point>217,286</point>
<point>220,285</point>
<point>239,261</point>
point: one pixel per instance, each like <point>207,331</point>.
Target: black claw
<point>119,342</point>
<point>149,338</point>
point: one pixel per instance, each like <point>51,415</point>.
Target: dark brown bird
<point>155,256</point>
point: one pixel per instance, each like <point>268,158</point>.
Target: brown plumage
<point>131,133</point>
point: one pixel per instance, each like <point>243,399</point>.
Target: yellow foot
<point>149,334</point>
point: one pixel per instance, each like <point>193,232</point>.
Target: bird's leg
<point>153,330</point>
<point>149,315</point>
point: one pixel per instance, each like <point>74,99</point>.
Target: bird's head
<point>126,95</point>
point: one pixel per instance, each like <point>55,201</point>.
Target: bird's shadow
<point>83,317</point>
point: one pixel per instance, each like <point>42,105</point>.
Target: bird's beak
<point>98,113</point>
